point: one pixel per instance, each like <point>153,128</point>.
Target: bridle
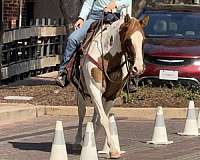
<point>127,50</point>
<point>126,44</point>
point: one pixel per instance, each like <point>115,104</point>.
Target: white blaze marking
<point>137,39</point>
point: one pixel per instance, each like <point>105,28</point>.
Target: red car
<point>172,45</point>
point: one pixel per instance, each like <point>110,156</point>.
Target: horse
<point>114,53</point>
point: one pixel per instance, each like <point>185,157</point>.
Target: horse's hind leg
<point>81,113</point>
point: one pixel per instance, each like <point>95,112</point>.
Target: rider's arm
<point>122,4</point>
<point>86,8</point>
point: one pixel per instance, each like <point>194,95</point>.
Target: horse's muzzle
<point>137,70</point>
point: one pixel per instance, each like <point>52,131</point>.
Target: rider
<point>92,10</point>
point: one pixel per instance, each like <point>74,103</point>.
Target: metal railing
<point>28,50</point>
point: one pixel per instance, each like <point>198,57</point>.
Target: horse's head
<point>132,37</point>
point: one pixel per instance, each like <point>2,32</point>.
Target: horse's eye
<point>111,40</point>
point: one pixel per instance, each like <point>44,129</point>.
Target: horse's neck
<point>108,46</point>
<point>107,42</point>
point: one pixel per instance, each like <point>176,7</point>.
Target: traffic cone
<point>114,136</point>
<point>58,150</point>
<point>191,127</point>
<point>160,132</point>
<point>89,151</point>
<point>198,119</point>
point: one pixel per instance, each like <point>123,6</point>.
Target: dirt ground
<point>45,92</point>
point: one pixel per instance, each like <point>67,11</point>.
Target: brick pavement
<point>31,140</point>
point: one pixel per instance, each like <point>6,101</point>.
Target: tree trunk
<point>70,10</point>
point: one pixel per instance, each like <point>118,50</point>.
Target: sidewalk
<point>22,111</point>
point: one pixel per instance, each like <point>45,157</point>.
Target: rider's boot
<point>61,79</point>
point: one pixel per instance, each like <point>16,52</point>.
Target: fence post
<point>196,1</point>
<point>20,13</point>
<point>1,35</point>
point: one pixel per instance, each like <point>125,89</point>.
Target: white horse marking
<point>137,39</point>
<point>104,88</point>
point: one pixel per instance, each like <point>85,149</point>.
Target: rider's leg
<point>73,43</point>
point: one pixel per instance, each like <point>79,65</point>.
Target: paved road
<point>31,140</point>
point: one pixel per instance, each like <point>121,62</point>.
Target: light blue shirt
<point>99,5</point>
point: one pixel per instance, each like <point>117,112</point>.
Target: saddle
<point>73,66</point>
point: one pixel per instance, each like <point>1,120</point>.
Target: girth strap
<point>87,56</point>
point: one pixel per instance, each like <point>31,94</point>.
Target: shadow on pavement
<point>33,81</point>
<point>45,147</point>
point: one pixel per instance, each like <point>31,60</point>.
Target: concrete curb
<point>18,112</point>
<point>141,113</point>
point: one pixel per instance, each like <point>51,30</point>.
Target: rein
<point>102,55</point>
<point>102,66</point>
<point>125,53</point>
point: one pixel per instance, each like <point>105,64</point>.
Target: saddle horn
<point>127,18</point>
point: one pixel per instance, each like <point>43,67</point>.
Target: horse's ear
<point>144,21</point>
<point>127,18</point>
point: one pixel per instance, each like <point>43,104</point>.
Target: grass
<point>148,96</point>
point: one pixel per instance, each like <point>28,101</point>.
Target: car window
<point>173,24</point>
<point>160,26</point>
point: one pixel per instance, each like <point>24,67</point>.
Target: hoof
<point>115,155</point>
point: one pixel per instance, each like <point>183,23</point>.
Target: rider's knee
<point>75,37</point>
<point>72,39</point>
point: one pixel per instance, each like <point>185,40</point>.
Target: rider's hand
<point>79,23</point>
<point>110,7</point>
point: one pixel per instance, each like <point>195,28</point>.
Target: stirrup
<point>63,72</point>
<point>61,80</point>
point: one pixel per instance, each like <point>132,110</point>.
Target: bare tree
<point>138,7</point>
<point>70,10</point>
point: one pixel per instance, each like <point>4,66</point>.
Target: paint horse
<point>105,71</point>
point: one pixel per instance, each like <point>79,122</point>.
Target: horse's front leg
<point>96,96</point>
<point>105,123</point>
<point>81,113</point>
<point>107,107</point>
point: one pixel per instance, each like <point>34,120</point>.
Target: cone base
<point>104,152</point>
<point>186,134</point>
<point>58,152</point>
<point>159,143</point>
